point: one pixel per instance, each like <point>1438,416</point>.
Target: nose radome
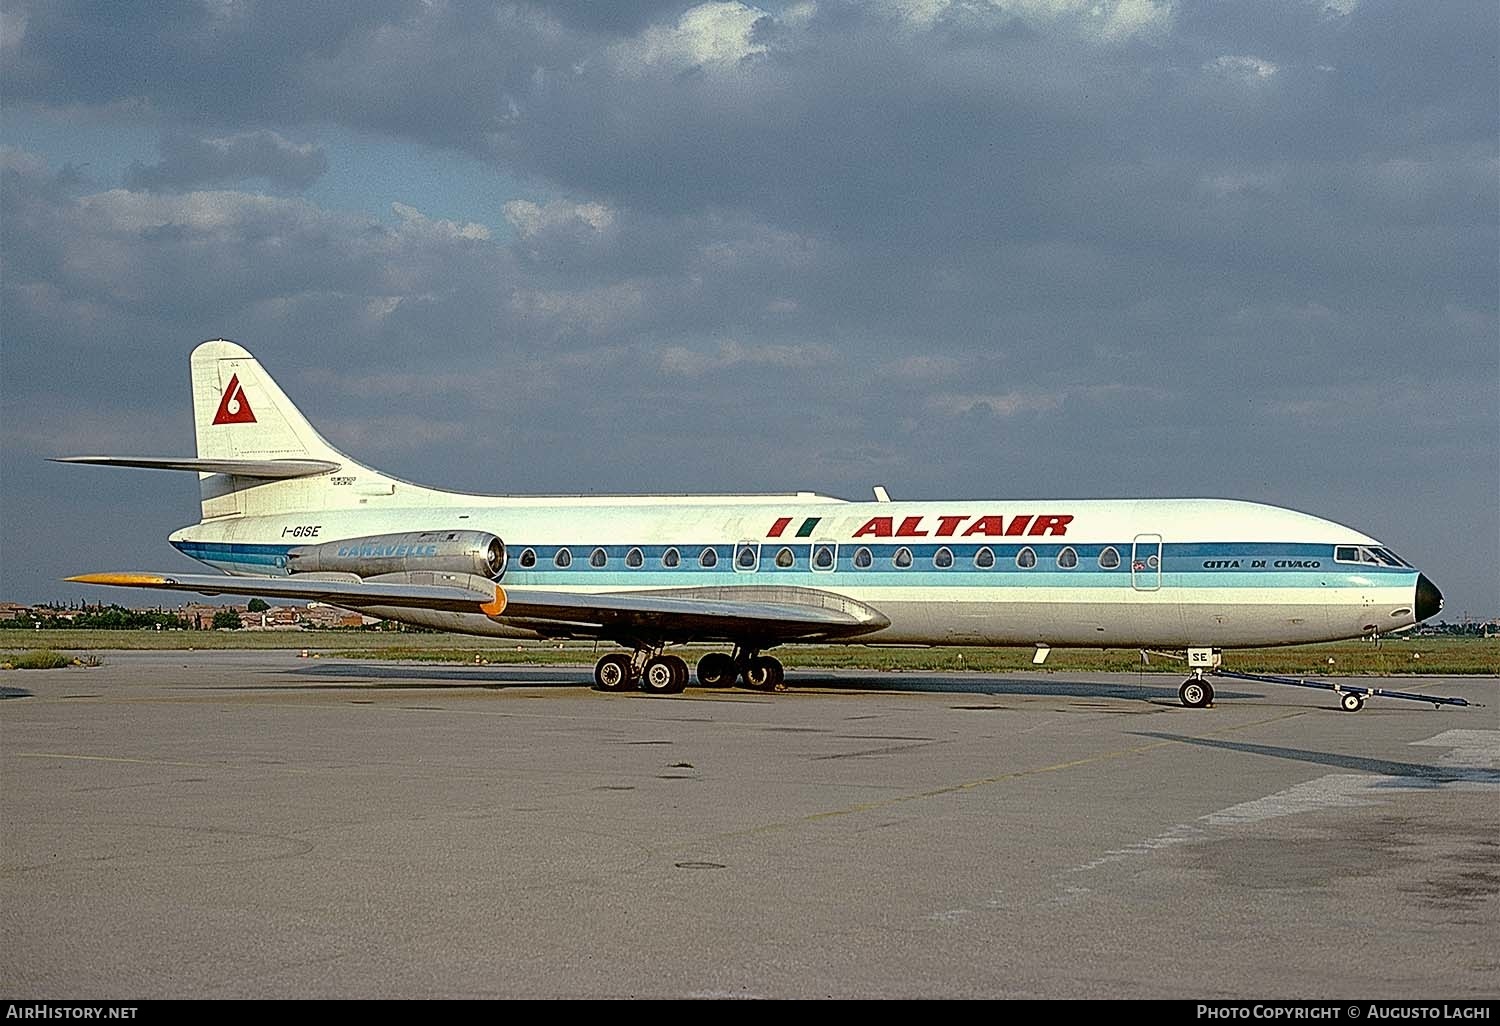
<point>1429,599</point>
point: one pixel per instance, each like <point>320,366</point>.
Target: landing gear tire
<point>612,673</point>
<point>716,670</point>
<point>1351,702</point>
<point>664,675</point>
<point>679,673</point>
<point>1195,694</point>
<point>764,674</point>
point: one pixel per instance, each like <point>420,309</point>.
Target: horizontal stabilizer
<point>270,469</point>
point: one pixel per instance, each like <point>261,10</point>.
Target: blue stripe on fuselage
<point>1195,564</point>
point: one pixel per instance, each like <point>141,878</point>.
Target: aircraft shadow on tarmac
<point>1161,690</point>
<point>1408,774</point>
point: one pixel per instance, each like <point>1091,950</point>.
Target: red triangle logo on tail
<point>234,408</point>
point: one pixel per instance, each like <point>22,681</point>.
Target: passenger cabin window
<point>708,559</point>
<point>528,558</point>
<point>1109,559</point>
<point>902,558</point>
<point>785,559</point>
<point>564,558</point>
<point>746,557</point>
<point>1026,559</point>
<point>822,557</point>
<point>670,559</point>
<point>597,559</point>
<point>863,559</point>
<point>1067,558</point>
<point>984,558</point>
<point>943,558</point>
<point>634,559</point>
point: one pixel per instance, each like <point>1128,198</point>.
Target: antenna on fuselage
<point>881,495</point>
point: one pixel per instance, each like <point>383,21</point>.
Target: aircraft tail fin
<point>242,418</point>
<point>240,413</point>
<point>257,455</point>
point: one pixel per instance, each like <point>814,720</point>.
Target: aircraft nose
<point>1429,599</point>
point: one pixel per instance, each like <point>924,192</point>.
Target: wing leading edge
<point>685,614</point>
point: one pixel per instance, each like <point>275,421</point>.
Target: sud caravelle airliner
<point>288,516</point>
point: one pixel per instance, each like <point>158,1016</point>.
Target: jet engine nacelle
<point>458,552</point>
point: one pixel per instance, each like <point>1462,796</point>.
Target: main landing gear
<point>657,673</point>
<point>650,670</point>
<point>761,673</point>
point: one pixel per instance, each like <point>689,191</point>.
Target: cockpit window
<point>1368,556</point>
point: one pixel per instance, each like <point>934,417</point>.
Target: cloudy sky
<point>961,248</point>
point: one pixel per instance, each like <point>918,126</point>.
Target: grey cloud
<point>189,162</point>
<point>981,256</point>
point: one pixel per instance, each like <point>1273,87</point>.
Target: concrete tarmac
<point>252,824</point>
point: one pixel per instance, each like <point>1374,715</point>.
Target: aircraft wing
<point>676,614</point>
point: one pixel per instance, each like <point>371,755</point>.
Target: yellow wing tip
<point>119,580</point>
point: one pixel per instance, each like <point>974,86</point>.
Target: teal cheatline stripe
<point>806,530</point>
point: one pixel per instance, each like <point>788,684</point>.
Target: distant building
<point>200,615</point>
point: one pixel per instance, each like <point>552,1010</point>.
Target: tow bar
<point>1351,696</point>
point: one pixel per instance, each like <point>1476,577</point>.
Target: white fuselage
<point>1169,573</point>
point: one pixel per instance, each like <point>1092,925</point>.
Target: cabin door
<point>1145,562</point>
